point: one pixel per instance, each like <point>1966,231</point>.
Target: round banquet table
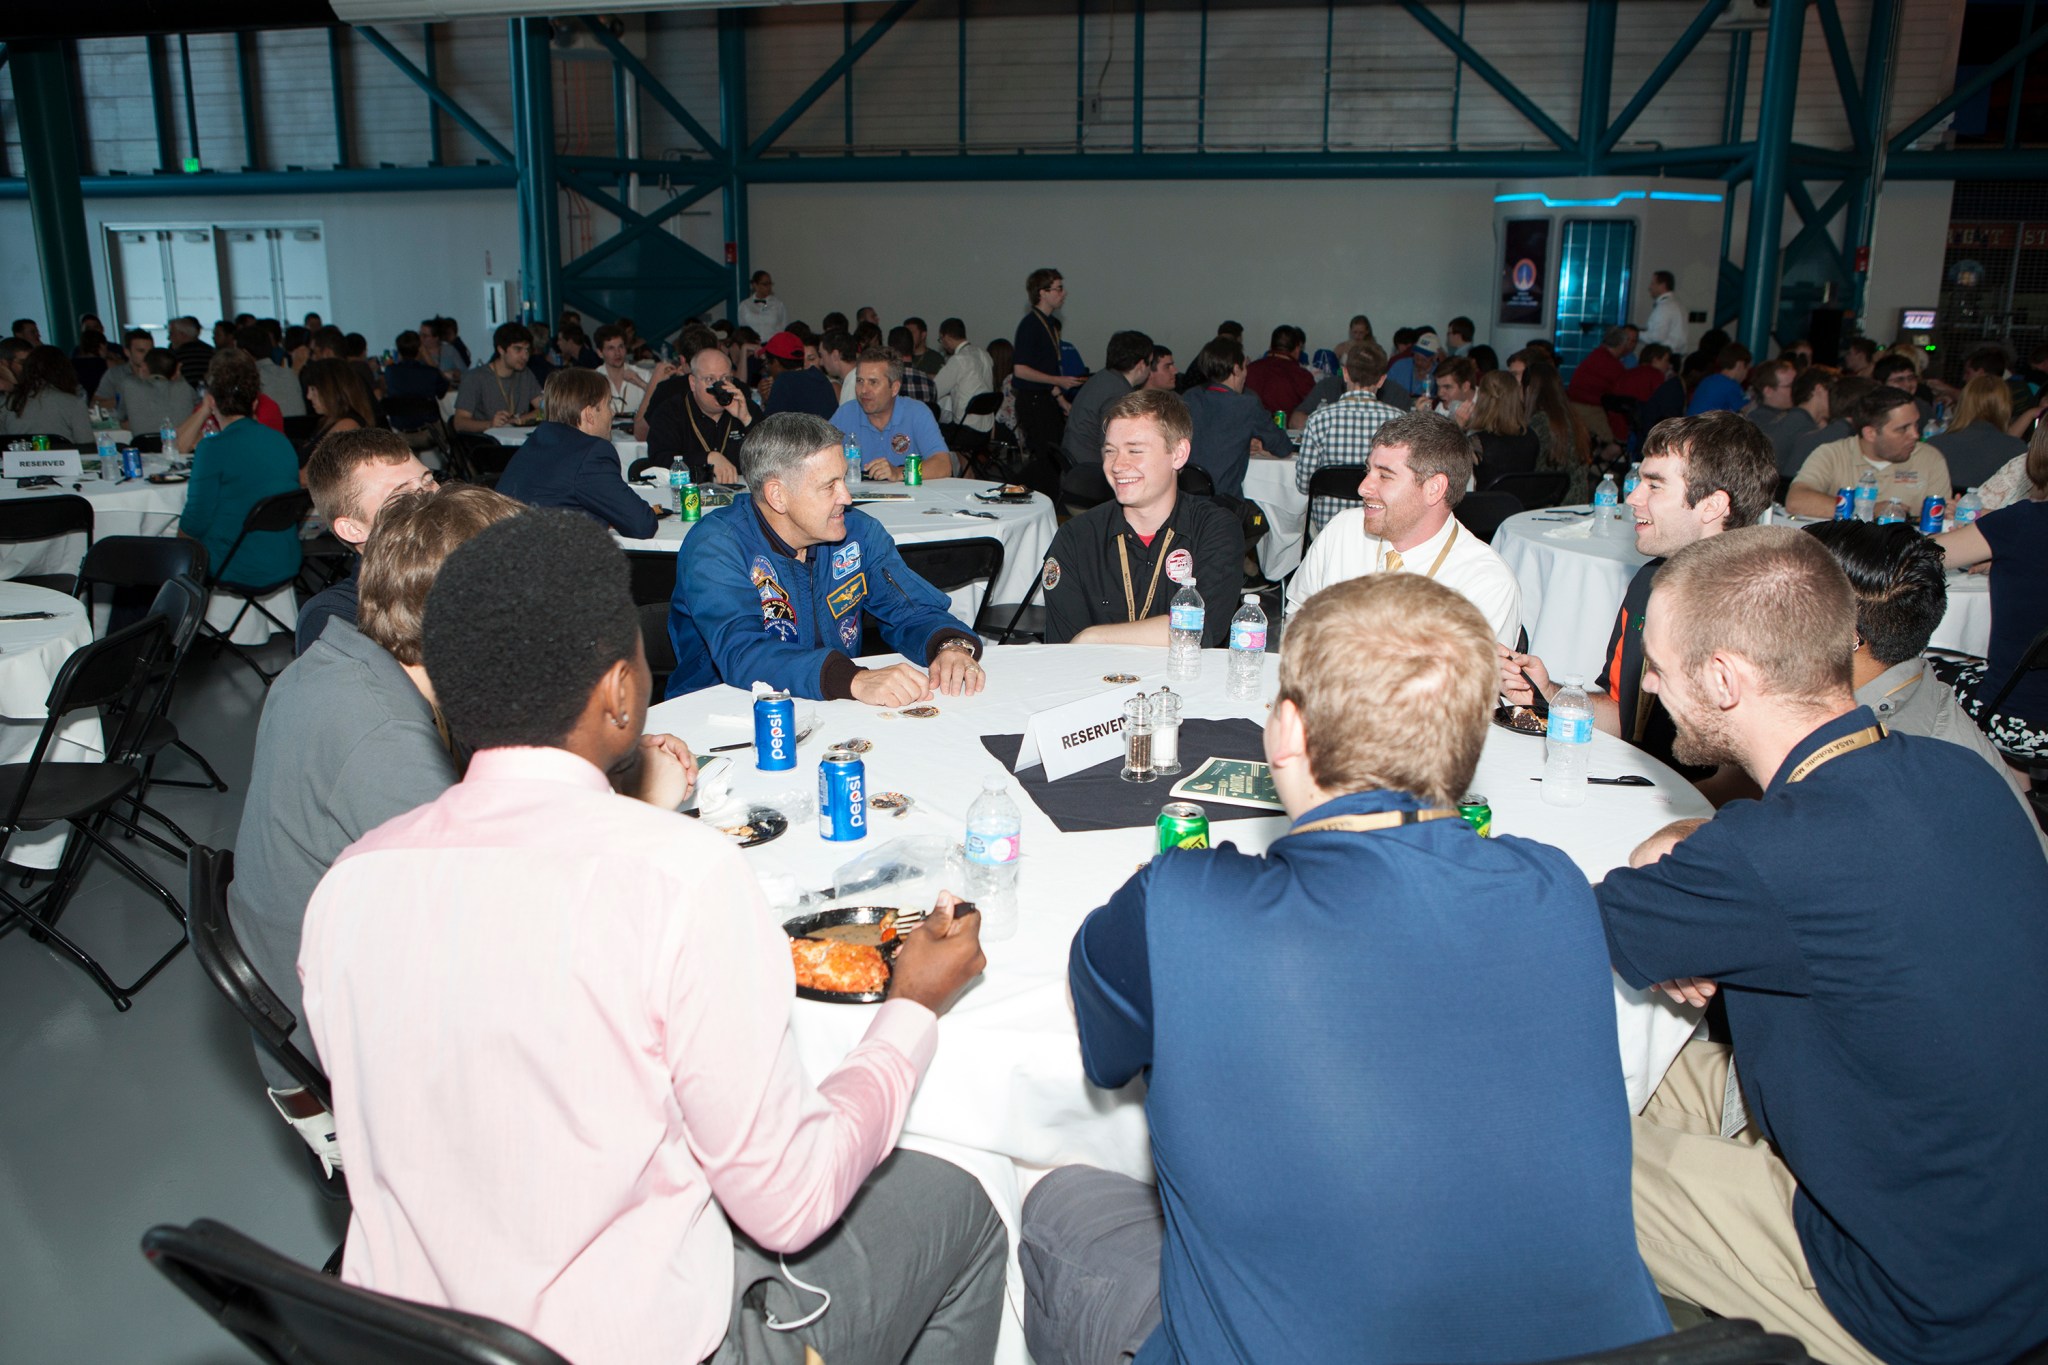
<point>1573,582</point>
<point>133,507</point>
<point>31,653</point>
<point>1005,1096</point>
<point>1269,482</point>
<point>933,511</point>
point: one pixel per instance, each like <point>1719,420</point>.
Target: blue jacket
<point>746,610</point>
<point>560,466</point>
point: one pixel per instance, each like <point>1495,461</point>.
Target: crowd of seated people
<point>463,735</point>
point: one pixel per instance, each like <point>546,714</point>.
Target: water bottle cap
<point>993,784</point>
<point>1250,596</point>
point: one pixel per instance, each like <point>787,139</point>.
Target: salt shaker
<point>1138,740</point>
<point>1166,732</point>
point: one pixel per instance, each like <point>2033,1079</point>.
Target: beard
<point>1703,739</point>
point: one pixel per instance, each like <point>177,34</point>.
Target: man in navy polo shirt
<point>1875,924</point>
<point>887,426</point>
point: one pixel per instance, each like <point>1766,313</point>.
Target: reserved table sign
<point>31,464</point>
<point>1079,735</point>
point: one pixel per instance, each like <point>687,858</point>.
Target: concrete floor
<point>112,1122</point>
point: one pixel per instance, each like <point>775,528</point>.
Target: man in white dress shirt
<point>1666,324</point>
<point>967,374</point>
<point>761,310</point>
<point>1417,472</point>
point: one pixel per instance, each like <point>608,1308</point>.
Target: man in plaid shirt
<point>1341,433</point>
<point>916,384</point>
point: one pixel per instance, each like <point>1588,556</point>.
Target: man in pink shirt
<point>557,1023</point>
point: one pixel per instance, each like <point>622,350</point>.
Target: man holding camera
<point>701,415</point>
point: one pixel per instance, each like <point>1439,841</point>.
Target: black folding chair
<point>950,565</point>
<point>661,652</point>
<point>970,443</point>
<point>25,520</point>
<point>120,677</point>
<point>1729,1341</point>
<point>1482,513</point>
<point>182,602</point>
<point>301,430</point>
<point>289,1314</point>
<point>477,458</point>
<point>651,576</point>
<point>278,512</point>
<point>1535,489</point>
<point>410,412</point>
<point>1339,481</point>
<point>1027,621</point>
<point>227,965</point>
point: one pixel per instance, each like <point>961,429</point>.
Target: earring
<point>619,722</point>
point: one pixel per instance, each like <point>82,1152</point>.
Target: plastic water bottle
<point>1866,494</point>
<point>1635,476</point>
<point>109,452</point>
<point>1567,743</point>
<point>1606,502</point>
<point>1247,649</point>
<point>1968,507</point>
<point>993,832</point>
<point>678,480</point>
<point>168,434</point>
<point>853,474</point>
<point>1184,635</point>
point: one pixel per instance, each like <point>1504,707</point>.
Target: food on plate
<point>1520,718</point>
<point>831,965</point>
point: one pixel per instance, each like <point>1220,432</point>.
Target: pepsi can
<point>842,796</point>
<point>1933,512</point>
<point>775,732</point>
<point>131,462</point>
<point>1845,504</point>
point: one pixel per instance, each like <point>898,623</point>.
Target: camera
<point>721,391</point>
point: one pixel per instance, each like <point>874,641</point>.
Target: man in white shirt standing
<point>761,310</point>
<point>967,373</point>
<point>1666,324</point>
<point>1418,470</point>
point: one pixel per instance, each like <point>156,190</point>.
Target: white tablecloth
<point>1573,583</point>
<point>1270,484</point>
<point>629,449</point>
<point>134,508</point>
<point>933,511</point>
<point>31,653</point>
<point>1005,1096</point>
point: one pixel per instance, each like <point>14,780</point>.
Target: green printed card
<point>1233,781</point>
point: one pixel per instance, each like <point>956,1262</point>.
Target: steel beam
<point>336,37</point>
<point>1968,91</point>
<point>694,169</point>
<point>656,91</point>
<point>961,15</point>
<point>1661,74</point>
<point>732,131</point>
<point>245,86</point>
<point>818,87</point>
<point>440,98</point>
<point>430,68</point>
<point>191,103</point>
<point>540,226</point>
<point>392,179</point>
<point>2019,82</point>
<point>49,154</point>
<point>1991,164</point>
<point>1138,81</point>
<point>1845,72</point>
<point>1596,81</point>
<point>1858,227</point>
<point>638,224</point>
<point>160,102</point>
<point>1761,258</point>
<point>1486,71</point>
<point>835,169</point>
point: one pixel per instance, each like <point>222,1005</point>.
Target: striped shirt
<point>1338,433</point>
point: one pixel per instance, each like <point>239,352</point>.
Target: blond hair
<point>1985,401</point>
<point>1394,676</point>
<point>1771,594</point>
<point>572,391</point>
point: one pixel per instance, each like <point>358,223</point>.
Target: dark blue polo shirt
<point>1364,1154</point>
<point>805,390</point>
<point>1036,344</point>
<point>1880,934</point>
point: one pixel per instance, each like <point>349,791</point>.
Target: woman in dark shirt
<point>1499,429</point>
<point>2014,541</point>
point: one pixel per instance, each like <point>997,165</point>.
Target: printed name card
<point>30,464</point>
<point>1078,735</point>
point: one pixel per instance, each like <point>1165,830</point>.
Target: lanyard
<point>1365,824</point>
<point>1847,744</point>
<point>1441,555</point>
<point>1123,552</point>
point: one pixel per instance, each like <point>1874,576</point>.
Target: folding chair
<point>119,676</point>
<point>950,565</point>
<point>1482,513</point>
<point>1538,488</point>
<point>1339,481</point>
<point>25,520</point>
<point>289,1314</point>
<point>476,458</point>
<point>278,512</point>
<point>651,575</point>
<point>182,603</point>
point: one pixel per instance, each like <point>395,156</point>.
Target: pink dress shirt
<point>557,1024</point>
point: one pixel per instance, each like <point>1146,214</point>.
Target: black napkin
<point>1099,798</point>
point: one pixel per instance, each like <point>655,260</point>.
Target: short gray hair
<point>882,355</point>
<point>780,443</point>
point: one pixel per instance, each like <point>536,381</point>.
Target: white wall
<point>1906,252</point>
<point>392,259</point>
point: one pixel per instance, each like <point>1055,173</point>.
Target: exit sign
<point>191,165</point>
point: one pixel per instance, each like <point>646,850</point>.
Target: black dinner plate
<point>847,918</point>
<point>997,495</point>
<point>768,824</point>
<point>1507,716</point>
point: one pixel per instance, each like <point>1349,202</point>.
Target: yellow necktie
<point>1393,561</point>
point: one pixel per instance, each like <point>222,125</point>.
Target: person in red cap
<point>788,385</point>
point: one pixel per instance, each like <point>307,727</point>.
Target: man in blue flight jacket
<point>1875,923</point>
<point>1355,1161</point>
<point>771,589</point>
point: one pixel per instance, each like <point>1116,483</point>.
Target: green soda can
<point>1477,814</point>
<point>1182,824</point>
<point>913,469</point>
<point>693,503</point>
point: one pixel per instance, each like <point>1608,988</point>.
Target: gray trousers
<point>1089,1249</point>
<point>915,1268</point>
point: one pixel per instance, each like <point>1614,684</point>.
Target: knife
<point>1629,780</point>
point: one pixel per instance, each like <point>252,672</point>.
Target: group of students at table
<point>1385,1104</point>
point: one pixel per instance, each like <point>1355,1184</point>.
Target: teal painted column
<point>43,103</point>
<point>1763,250</point>
<point>732,131</point>
<point>540,228</point>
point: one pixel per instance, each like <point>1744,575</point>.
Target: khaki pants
<point>1714,1214</point>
